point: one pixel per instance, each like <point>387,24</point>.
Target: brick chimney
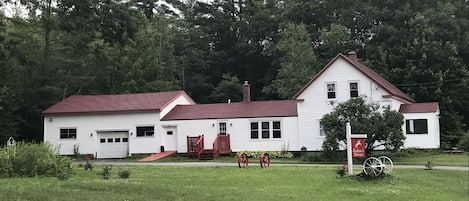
<point>352,55</point>
<point>246,92</point>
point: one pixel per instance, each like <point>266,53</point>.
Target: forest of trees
<point>51,49</point>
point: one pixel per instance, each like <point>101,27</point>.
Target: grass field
<point>419,158</point>
<point>229,183</point>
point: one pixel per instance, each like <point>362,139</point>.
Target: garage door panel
<point>113,145</point>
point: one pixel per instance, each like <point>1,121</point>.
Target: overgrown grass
<point>229,183</point>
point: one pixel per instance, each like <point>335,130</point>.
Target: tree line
<point>59,48</point>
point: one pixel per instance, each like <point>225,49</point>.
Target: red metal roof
<point>122,103</point>
<point>419,107</point>
<point>394,91</point>
<point>253,109</point>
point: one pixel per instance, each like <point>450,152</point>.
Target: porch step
<point>207,154</point>
<point>158,156</point>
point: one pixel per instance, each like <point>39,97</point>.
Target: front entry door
<point>170,139</point>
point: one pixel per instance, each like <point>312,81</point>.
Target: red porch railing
<point>196,147</point>
<point>192,146</point>
<point>221,145</point>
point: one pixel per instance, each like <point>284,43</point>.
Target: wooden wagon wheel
<point>243,160</point>
<point>387,163</point>
<point>264,160</point>
<point>373,167</point>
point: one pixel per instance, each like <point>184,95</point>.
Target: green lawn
<point>436,159</point>
<point>230,183</point>
<point>418,158</point>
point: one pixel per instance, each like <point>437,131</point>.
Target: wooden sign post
<point>355,146</point>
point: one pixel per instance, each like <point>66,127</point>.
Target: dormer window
<point>331,91</point>
<point>353,89</point>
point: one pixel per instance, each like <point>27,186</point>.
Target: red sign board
<point>358,148</point>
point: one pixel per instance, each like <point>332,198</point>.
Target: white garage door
<point>113,144</point>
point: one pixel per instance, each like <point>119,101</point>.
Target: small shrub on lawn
<point>124,174</point>
<point>107,172</point>
<point>88,165</point>
<point>429,165</point>
<point>31,160</point>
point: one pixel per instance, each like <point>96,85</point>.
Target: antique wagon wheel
<point>264,160</point>
<point>243,160</point>
<point>387,163</point>
<point>373,167</point>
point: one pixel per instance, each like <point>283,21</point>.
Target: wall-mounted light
<point>231,124</point>
<point>50,119</point>
<point>91,134</point>
<point>213,125</point>
<point>131,134</point>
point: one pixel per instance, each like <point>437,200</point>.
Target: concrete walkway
<point>225,164</point>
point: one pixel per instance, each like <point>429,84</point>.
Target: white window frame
<point>145,135</point>
<point>350,88</point>
<point>220,132</point>
<point>322,133</point>
<point>334,91</point>
<point>270,129</point>
<point>68,138</point>
<point>410,123</point>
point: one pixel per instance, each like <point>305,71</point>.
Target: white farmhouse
<point>115,126</point>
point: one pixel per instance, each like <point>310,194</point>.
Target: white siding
<point>88,125</point>
<point>316,103</point>
<point>240,134</point>
<point>425,141</point>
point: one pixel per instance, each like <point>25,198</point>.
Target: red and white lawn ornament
<point>264,160</point>
<point>243,160</point>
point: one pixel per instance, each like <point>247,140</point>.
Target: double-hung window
<point>254,130</point>
<point>331,91</point>
<point>322,133</point>
<point>266,130</point>
<point>353,89</point>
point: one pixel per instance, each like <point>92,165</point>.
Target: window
<point>353,89</point>
<point>169,132</point>
<point>331,91</point>
<point>110,140</point>
<point>416,126</point>
<point>145,131</point>
<point>222,128</point>
<point>266,129</point>
<point>254,130</point>
<point>117,140</point>
<point>321,129</point>
<point>102,140</point>
<point>277,133</point>
<point>68,133</point>
<point>125,139</point>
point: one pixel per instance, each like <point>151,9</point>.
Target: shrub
<point>107,172</point>
<point>32,160</point>
<point>124,174</point>
<point>272,154</point>
<point>464,142</point>
<point>312,157</point>
<point>88,165</point>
